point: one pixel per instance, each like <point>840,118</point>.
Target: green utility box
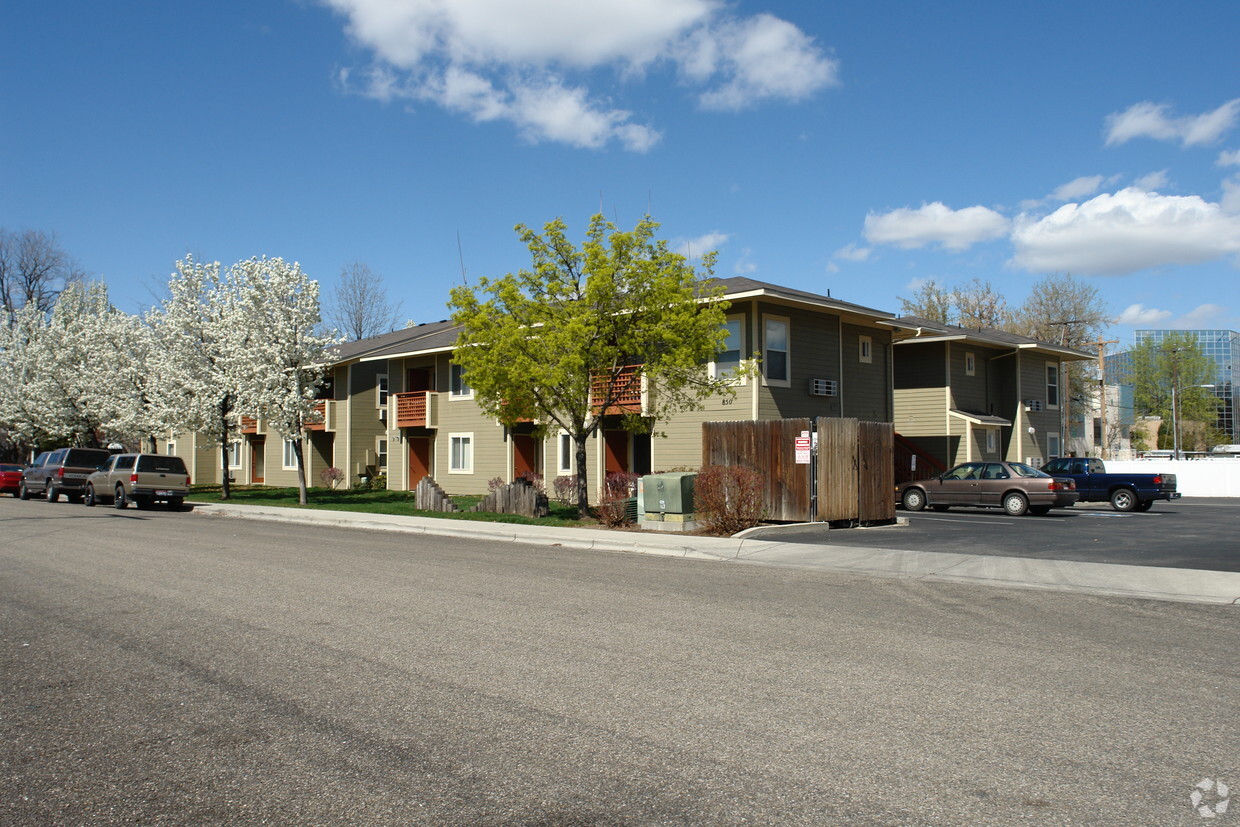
<point>667,501</point>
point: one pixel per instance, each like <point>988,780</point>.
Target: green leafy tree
<point>978,305</point>
<point>931,302</point>
<point>1175,362</point>
<point>558,343</point>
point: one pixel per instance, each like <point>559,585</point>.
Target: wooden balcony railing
<point>249,425</point>
<point>322,424</point>
<point>416,409</point>
<point>625,389</point>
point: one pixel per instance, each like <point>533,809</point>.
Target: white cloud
<point>1126,232</point>
<point>1202,316</point>
<point>695,248</point>
<point>1150,120</point>
<point>1077,188</point>
<point>935,223</point>
<point>528,63</point>
<point>1139,314</point>
<point>1153,181</point>
<point>1229,158</point>
<point>851,252</point>
<point>745,264</point>
<point>1231,196</point>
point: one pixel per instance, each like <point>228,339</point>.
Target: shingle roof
<point>741,284</point>
<point>398,341</point>
<point>985,335</point>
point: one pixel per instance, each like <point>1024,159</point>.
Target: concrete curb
<point>1187,585</point>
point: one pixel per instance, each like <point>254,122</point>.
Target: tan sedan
<point>1013,486</point>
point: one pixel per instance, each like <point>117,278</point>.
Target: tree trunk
<point>301,470</point>
<point>583,488</point>
<point>225,489</point>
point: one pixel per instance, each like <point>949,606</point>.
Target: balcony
<point>416,409</point>
<point>249,425</point>
<point>625,388</point>
<point>323,410</point>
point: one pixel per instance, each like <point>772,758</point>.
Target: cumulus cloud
<point>529,63</point>
<point>851,252</point>
<point>1153,180</point>
<point>695,248</point>
<point>1077,188</point>
<point>936,223</point>
<point>1139,314</point>
<point>1151,120</point>
<point>1202,316</point>
<point>1229,158</point>
<point>1126,232</point>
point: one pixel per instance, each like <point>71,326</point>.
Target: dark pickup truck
<point>1125,492</point>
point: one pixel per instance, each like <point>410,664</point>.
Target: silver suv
<point>142,479</point>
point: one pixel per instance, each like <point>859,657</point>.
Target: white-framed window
<point>728,361</point>
<point>865,349</point>
<point>564,462</point>
<point>234,454</point>
<point>1052,385</point>
<point>1052,446</point>
<point>381,454</point>
<point>992,440</point>
<point>289,456</point>
<point>776,364</point>
<point>458,388</point>
<point>381,398</point>
<point>171,448</point>
<point>461,453</point>
<point>970,364</point>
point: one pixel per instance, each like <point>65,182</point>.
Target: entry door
<point>524,454</point>
<point>258,464</point>
<point>419,459</point>
<point>617,451</point>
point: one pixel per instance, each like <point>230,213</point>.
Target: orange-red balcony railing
<point>249,425</point>
<point>625,388</point>
<point>415,409</point>
<point>320,408</point>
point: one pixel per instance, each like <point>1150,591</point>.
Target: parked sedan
<point>11,478</point>
<point>1013,486</point>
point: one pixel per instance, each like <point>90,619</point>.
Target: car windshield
<point>1022,470</point>
<point>86,458</point>
<point>161,464</point>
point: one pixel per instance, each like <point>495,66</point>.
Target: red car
<point>10,478</point>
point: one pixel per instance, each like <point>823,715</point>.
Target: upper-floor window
<point>1052,386</point>
<point>458,388</point>
<point>728,360</point>
<point>381,399</point>
<point>776,365</point>
<point>970,364</point>
<point>865,349</point>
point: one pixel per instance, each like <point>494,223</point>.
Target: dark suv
<point>62,471</point>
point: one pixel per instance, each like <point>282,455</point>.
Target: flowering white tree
<point>197,371</point>
<point>22,345</point>
<point>284,362</point>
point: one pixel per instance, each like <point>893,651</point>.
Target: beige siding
<point>1044,422</point>
<point>364,418</point>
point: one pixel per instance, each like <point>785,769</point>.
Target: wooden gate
<point>854,462</point>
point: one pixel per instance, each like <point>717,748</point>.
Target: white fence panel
<point>1193,477</point>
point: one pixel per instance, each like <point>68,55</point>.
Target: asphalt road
<point>1198,533</point>
<point>175,669</point>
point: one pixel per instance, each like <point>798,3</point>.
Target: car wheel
<point>23,493</point>
<point>939,508</point>
<point>1015,503</point>
<point>1124,499</point>
<point>119,500</point>
<point>1040,510</point>
<point>53,493</point>
<point>88,499</point>
<point>1145,505</point>
<point>175,503</point>
<point>914,499</point>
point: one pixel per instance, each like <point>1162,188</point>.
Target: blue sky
<point>859,148</point>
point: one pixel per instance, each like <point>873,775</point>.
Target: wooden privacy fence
<point>850,477</point>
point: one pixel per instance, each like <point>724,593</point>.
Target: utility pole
<point>1102,389</point>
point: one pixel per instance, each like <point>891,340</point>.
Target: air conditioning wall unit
<point>824,387</point>
<point>383,414</point>
<point>1033,404</point>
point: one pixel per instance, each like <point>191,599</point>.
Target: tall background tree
<point>554,342</point>
<point>359,306</point>
<point>1176,361</point>
<point>930,301</point>
<point>33,270</point>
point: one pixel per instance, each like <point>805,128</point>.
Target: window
<point>290,454</point>
<point>458,388</point>
<point>234,454</point>
<point>461,458</point>
<point>1052,386</point>
<point>775,351</point>
<point>728,360</point>
<point>565,465</point>
<point>865,349</point>
<point>381,454</point>
<point>1052,445</point>
<point>382,397</point>
<point>970,364</point>
<point>991,441</point>
<point>125,462</point>
<point>171,448</point>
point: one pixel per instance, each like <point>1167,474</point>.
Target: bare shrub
<point>565,489</point>
<point>331,477</point>
<point>617,488</point>
<point>729,498</point>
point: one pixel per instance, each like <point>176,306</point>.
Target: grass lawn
<point>378,502</point>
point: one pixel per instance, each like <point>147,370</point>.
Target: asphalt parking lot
<point>1196,533</point>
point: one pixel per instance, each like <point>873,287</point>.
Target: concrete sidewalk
<point>1190,585</point>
